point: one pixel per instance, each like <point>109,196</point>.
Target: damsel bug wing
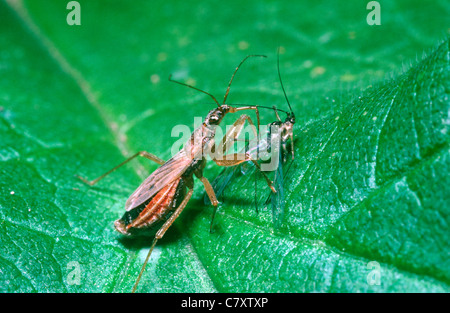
<point>277,199</point>
<point>220,183</point>
<point>165,174</point>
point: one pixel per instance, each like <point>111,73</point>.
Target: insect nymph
<point>160,199</point>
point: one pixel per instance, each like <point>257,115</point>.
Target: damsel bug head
<point>215,116</point>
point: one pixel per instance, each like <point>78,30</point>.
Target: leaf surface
<point>367,195</point>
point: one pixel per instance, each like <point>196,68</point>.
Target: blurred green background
<point>367,197</point>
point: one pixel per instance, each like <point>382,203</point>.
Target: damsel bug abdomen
<point>153,211</point>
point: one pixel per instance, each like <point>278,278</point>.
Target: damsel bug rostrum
<point>164,194</point>
<point>277,134</point>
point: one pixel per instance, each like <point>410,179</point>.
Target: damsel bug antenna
<point>281,81</point>
<point>272,108</point>
<point>183,84</point>
<point>231,80</point>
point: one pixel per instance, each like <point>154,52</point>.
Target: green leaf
<point>367,195</point>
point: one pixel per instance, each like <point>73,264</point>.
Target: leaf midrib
<point>85,88</point>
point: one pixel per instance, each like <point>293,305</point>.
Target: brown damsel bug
<point>165,193</point>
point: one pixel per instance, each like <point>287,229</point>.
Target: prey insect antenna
<point>183,84</point>
<point>231,80</point>
<point>281,81</point>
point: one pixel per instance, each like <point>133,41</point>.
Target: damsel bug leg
<point>250,108</point>
<point>212,197</point>
<point>235,131</point>
<point>211,194</point>
<point>209,191</point>
<point>160,233</point>
<point>144,154</point>
<point>276,113</point>
<point>238,158</point>
<point>256,192</point>
<point>230,137</point>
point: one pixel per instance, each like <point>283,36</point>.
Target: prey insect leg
<point>144,154</point>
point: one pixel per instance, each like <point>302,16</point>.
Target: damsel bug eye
<point>214,119</point>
